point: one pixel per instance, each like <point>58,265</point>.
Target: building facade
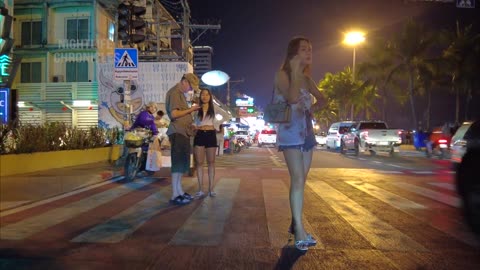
<point>59,44</point>
<point>202,59</point>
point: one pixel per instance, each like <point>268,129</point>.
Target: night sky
<point>254,33</point>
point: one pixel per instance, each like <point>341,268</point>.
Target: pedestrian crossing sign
<point>126,64</point>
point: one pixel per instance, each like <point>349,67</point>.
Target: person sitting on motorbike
<point>146,119</point>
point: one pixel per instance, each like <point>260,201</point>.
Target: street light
<point>353,39</point>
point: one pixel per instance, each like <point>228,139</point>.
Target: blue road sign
<point>126,64</point>
<point>4,106</point>
<point>126,58</point>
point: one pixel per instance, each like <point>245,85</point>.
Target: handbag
<point>277,113</point>
<point>154,156</point>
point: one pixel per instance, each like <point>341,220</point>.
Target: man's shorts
<point>180,153</point>
<point>206,138</point>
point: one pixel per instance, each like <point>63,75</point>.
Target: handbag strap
<point>273,93</point>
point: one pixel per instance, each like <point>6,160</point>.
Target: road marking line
<point>389,172</point>
<point>362,159</point>
<point>276,198</point>
<point>422,172</point>
<point>35,224</point>
<point>397,166</point>
<point>205,226</point>
<point>386,196</point>
<point>378,162</point>
<point>437,196</point>
<point>122,225</point>
<point>447,186</point>
<point>42,202</point>
<point>380,234</point>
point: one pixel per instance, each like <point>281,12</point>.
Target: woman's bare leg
<point>295,164</point>
<point>211,151</point>
<point>199,152</point>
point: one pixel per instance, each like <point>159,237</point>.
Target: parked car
<point>266,137</point>
<point>466,134</point>
<point>321,138</point>
<point>335,133</point>
<point>468,185</point>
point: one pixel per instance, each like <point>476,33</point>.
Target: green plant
<point>54,136</point>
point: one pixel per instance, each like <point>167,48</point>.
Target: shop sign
<point>4,99</point>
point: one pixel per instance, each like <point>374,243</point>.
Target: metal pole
<point>353,80</point>
<point>228,93</point>
<point>127,102</point>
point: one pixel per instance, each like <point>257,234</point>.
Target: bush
<point>54,136</point>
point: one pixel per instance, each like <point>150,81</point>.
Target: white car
<point>321,139</point>
<point>267,136</point>
<point>335,133</point>
<point>467,133</point>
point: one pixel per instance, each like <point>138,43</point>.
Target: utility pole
<point>187,27</point>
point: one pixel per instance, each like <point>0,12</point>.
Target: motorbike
<point>438,144</point>
<point>136,143</point>
<point>238,144</point>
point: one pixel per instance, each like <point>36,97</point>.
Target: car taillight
<point>442,141</point>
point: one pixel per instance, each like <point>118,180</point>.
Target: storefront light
<point>81,103</point>
<point>21,104</point>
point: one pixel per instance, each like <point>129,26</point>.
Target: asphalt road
<point>366,213</point>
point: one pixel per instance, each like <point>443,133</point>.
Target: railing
<point>38,92</point>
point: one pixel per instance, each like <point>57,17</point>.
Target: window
<point>32,33</point>
<point>77,71</point>
<point>111,31</point>
<point>31,72</point>
<point>77,29</point>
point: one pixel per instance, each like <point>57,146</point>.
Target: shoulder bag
<point>277,113</point>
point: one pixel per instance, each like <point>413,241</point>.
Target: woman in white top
<point>205,141</point>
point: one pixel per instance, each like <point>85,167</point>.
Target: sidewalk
<point>17,190</point>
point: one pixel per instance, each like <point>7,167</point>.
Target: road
<point>366,213</point>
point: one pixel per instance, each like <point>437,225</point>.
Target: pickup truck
<point>372,136</point>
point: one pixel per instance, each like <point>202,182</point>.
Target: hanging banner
<point>154,80</point>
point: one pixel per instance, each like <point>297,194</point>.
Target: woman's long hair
<point>210,111</point>
<point>292,50</point>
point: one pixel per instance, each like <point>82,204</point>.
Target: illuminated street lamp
<point>353,39</point>
<point>217,78</point>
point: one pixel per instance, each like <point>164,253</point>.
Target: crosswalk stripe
<point>42,202</point>
<point>125,223</point>
<point>437,196</point>
<point>35,224</point>
<point>276,198</point>
<point>205,226</point>
<point>447,186</point>
<point>11,204</point>
<point>379,233</point>
<point>386,196</point>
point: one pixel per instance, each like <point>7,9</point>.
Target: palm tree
<point>463,56</point>
<point>409,49</point>
<point>429,74</point>
<point>376,71</point>
<point>338,89</point>
<point>364,98</point>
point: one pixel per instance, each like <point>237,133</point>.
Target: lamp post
<point>353,39</point>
